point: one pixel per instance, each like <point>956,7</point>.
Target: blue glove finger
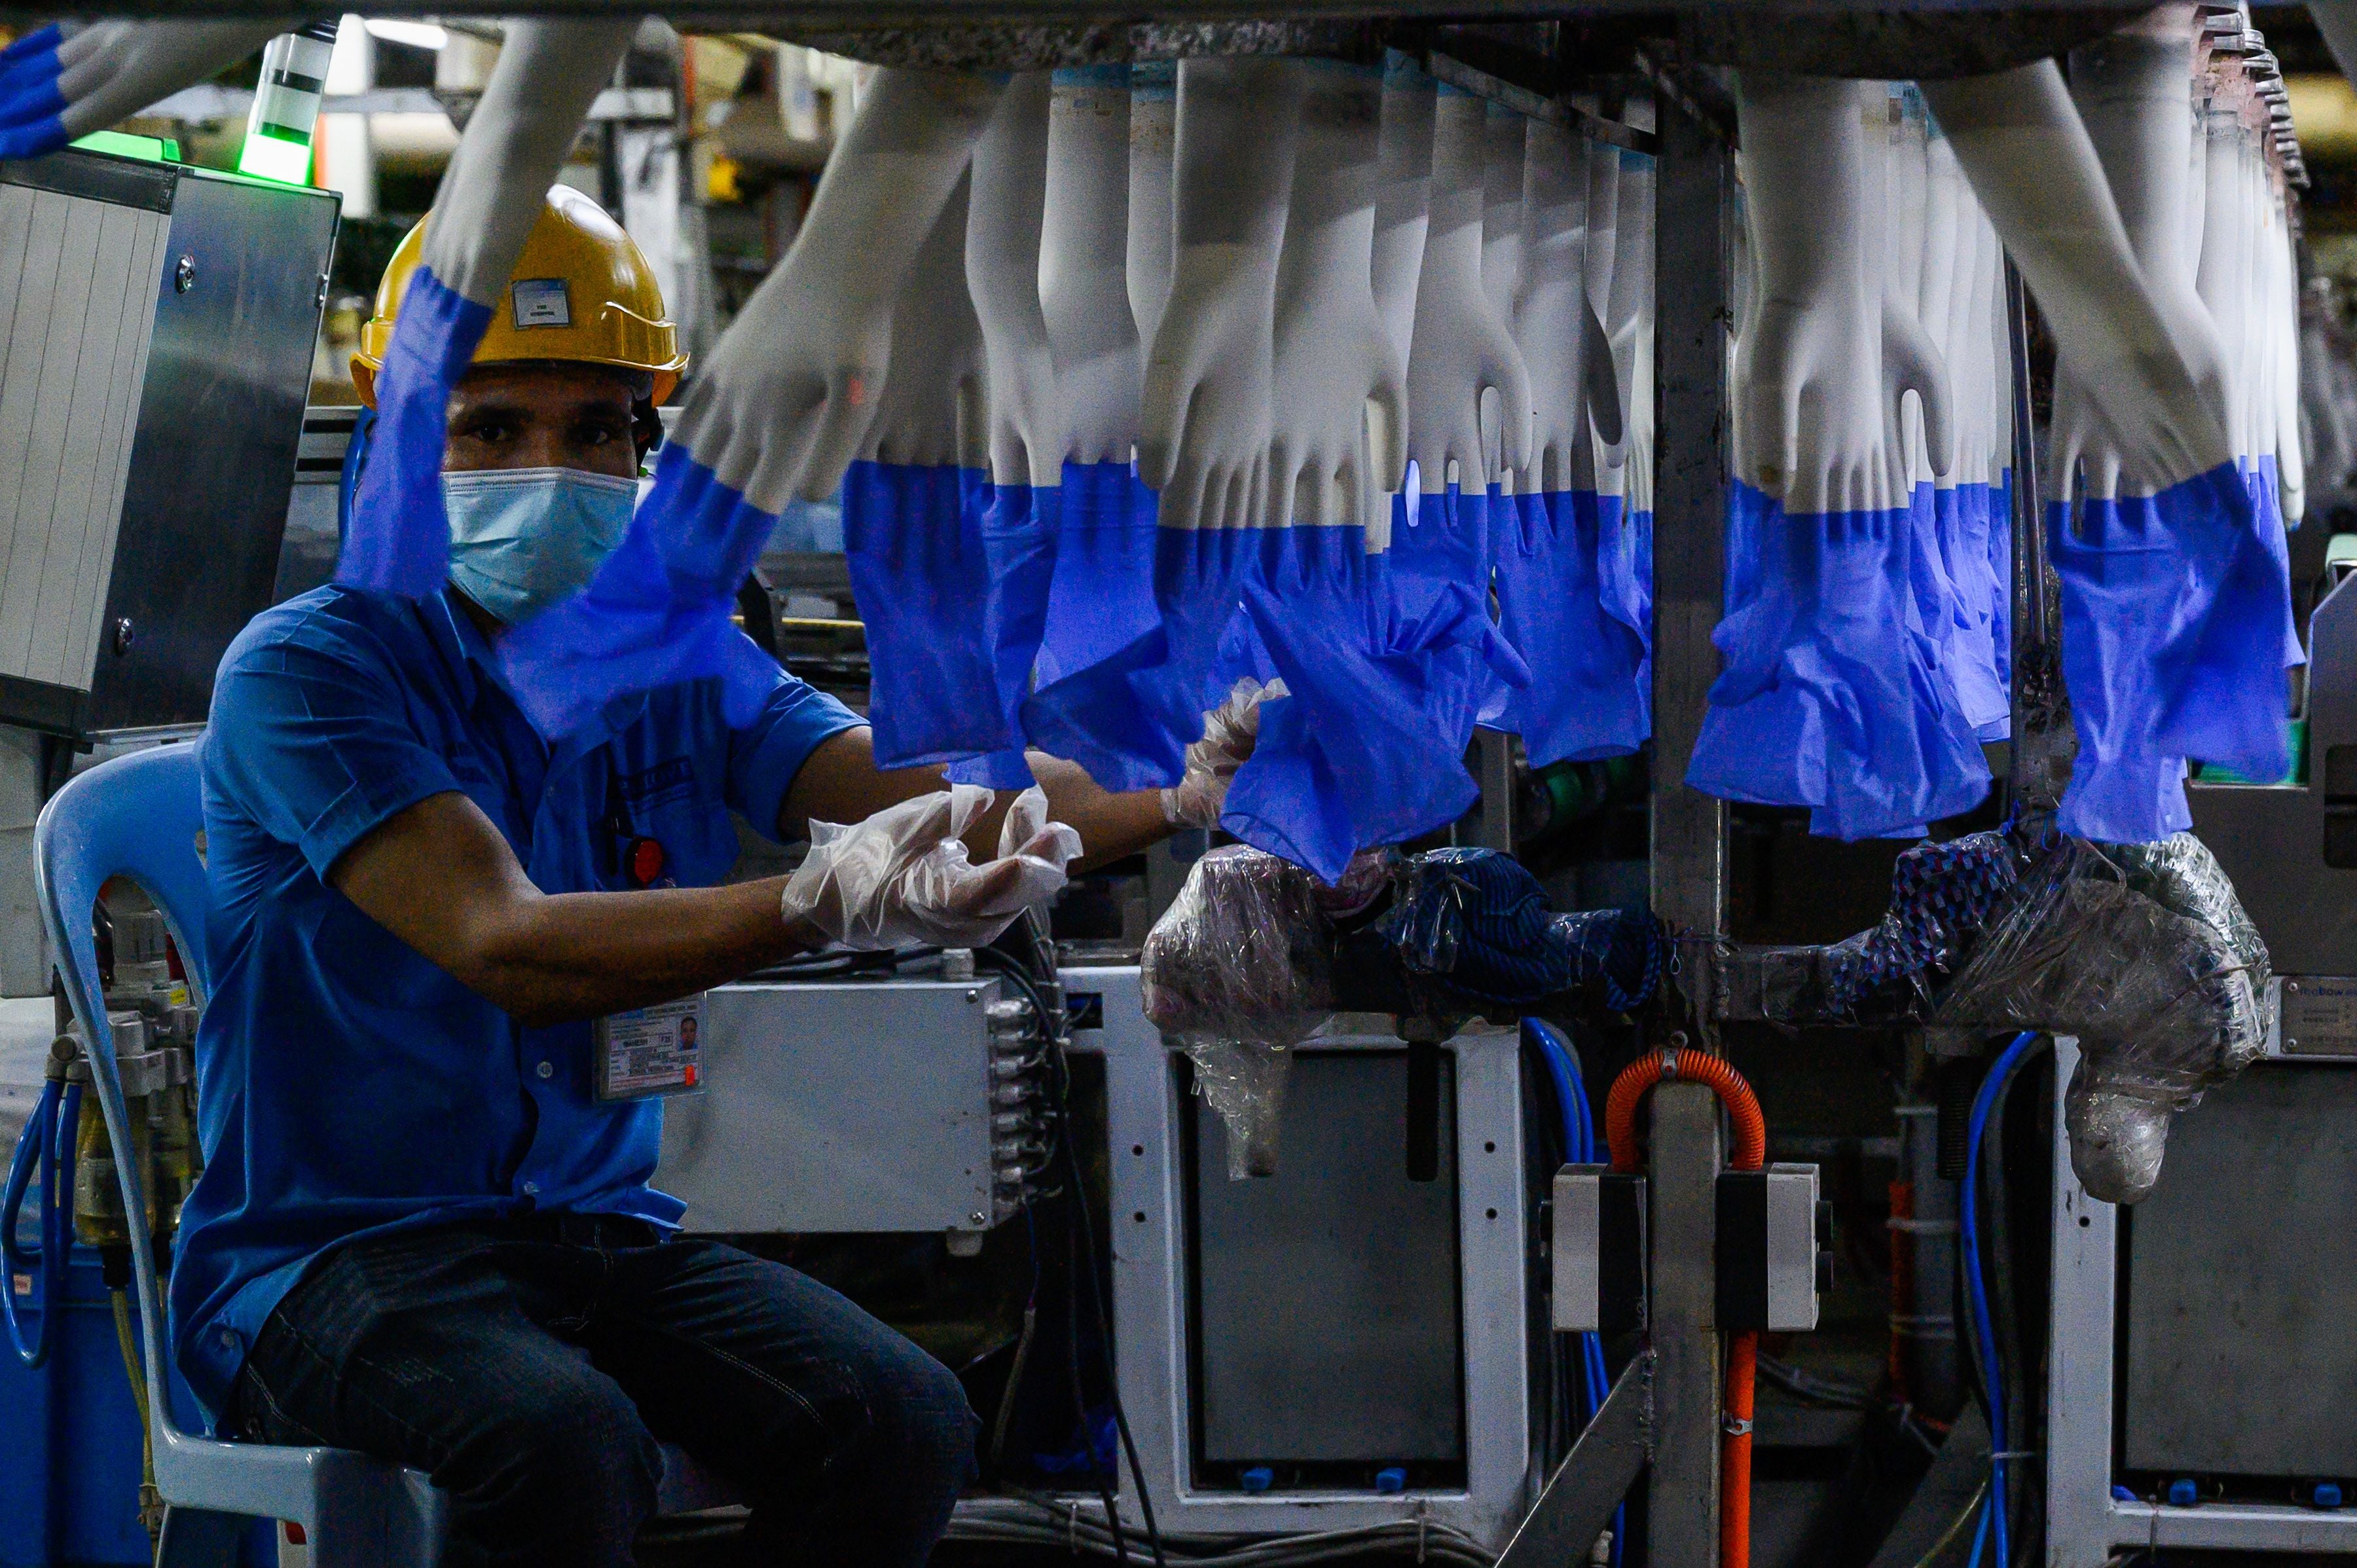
<point>399,543</point>
<point>29,79</point>
<point>1019,544</point>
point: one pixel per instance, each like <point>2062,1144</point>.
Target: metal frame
<point>2084,1522</point>
<point>1150,1287</point>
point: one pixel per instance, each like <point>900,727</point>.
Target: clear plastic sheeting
<point>2145,955</point>
<point>1236,973</point>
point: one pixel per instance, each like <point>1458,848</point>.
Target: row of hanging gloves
<point>1121,375</point>
<point>1158,375</point>
<point>1865,641</point>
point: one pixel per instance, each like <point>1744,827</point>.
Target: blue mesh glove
<point>1365,749</point>
<point>1942,896</point>
<point>1583,701</point>
<point>1478,921</point>
<point>1829,697</point>
<point>2232,708</point>
<point>2141,577</point>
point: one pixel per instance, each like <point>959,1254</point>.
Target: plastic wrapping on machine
<point>2145,955</point>
<point>1236,973</point>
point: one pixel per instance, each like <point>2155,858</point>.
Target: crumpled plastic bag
<point>2145,955</point>
<point>1236,973</point>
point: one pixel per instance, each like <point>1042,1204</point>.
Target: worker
<point>420,1234</point>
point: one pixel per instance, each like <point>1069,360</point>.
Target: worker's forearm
<point>1110,825</point>
<point>581,955</point>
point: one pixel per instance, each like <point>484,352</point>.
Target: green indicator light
<point>273,158</point>
<point>123,144</point>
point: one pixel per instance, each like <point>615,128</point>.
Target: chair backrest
<point>136,817</point>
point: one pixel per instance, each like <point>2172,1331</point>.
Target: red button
<point>646,861</point>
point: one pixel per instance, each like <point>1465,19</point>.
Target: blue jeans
<point>531,1365</point>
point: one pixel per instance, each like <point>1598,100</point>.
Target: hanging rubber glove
<point>62,82</point>
<point>520,135</point>
<point>1829,698</point>
<point>1582,701</point>
<point>1402,218</point>
<point>1028,436</point>
<point>1152,153</point>
<point>2234,707</point>
<point>1230,733</point>
<point>903,875</point>
<point>780,411</point>
<point>1338,448</point>
<point>1403,192</point>
<point>1204,416</point>
<point>2022,145</point>
<point>1386,683</point>
<point>1624,485</point>
<point>1100,599</point>
<point>913,515</point>
<point>1367,746</point>
<point>1462,350</point>
<point>1949,300</point>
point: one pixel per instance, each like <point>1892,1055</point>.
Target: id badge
<point>650,1051</point>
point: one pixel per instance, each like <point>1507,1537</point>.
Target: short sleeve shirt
<point>348,1085</point>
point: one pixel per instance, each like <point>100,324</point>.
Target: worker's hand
<point>68,79</point>
<point>1230,733</point>
<point>903,875</point>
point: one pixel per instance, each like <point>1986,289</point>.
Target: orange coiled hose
<point>1748,1152</point>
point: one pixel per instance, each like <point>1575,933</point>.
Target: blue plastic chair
<point>140,817</point>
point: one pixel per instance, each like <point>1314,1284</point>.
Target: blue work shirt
<point>347,1085</point>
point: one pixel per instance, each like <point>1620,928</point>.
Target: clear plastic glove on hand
<point>1230,733</point>
<point>903,875</point>
<point>69,79</point>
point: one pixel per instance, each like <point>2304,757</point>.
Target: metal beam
<point>1592,1479</point>
<point>1692,323</point>
<point>1681,1511</point>
<point>769,14</point>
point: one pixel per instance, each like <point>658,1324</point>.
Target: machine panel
<point>1332,1278</point>
<point>2240,1269</point>
<point>843,1106</point>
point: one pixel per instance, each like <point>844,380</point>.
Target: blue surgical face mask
<point>523,539</point>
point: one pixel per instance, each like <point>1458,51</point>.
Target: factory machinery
<point>1435,1290</point>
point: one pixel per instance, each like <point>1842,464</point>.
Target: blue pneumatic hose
<point>48,1142</point>
<point>1993,1521</point>
<point>1579,1145</point>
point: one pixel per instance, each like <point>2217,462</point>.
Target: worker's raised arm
<point>439,876</point>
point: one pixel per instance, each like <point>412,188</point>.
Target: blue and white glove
<point>69,78</point>
<point>538,94</point>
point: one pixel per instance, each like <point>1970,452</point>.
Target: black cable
<point>1072,1369</point>
<point>1060,1078</point>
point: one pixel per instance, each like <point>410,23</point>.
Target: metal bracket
<point>1593,1478</point>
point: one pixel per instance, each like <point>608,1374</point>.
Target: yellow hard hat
<point>582,291</point>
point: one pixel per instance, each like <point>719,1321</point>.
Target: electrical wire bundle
<point>1026,959</point>
<point>1579,1147</point>
<point>48,1142</point>
<point>1040,1522</point>
<point>2003,1392</point>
